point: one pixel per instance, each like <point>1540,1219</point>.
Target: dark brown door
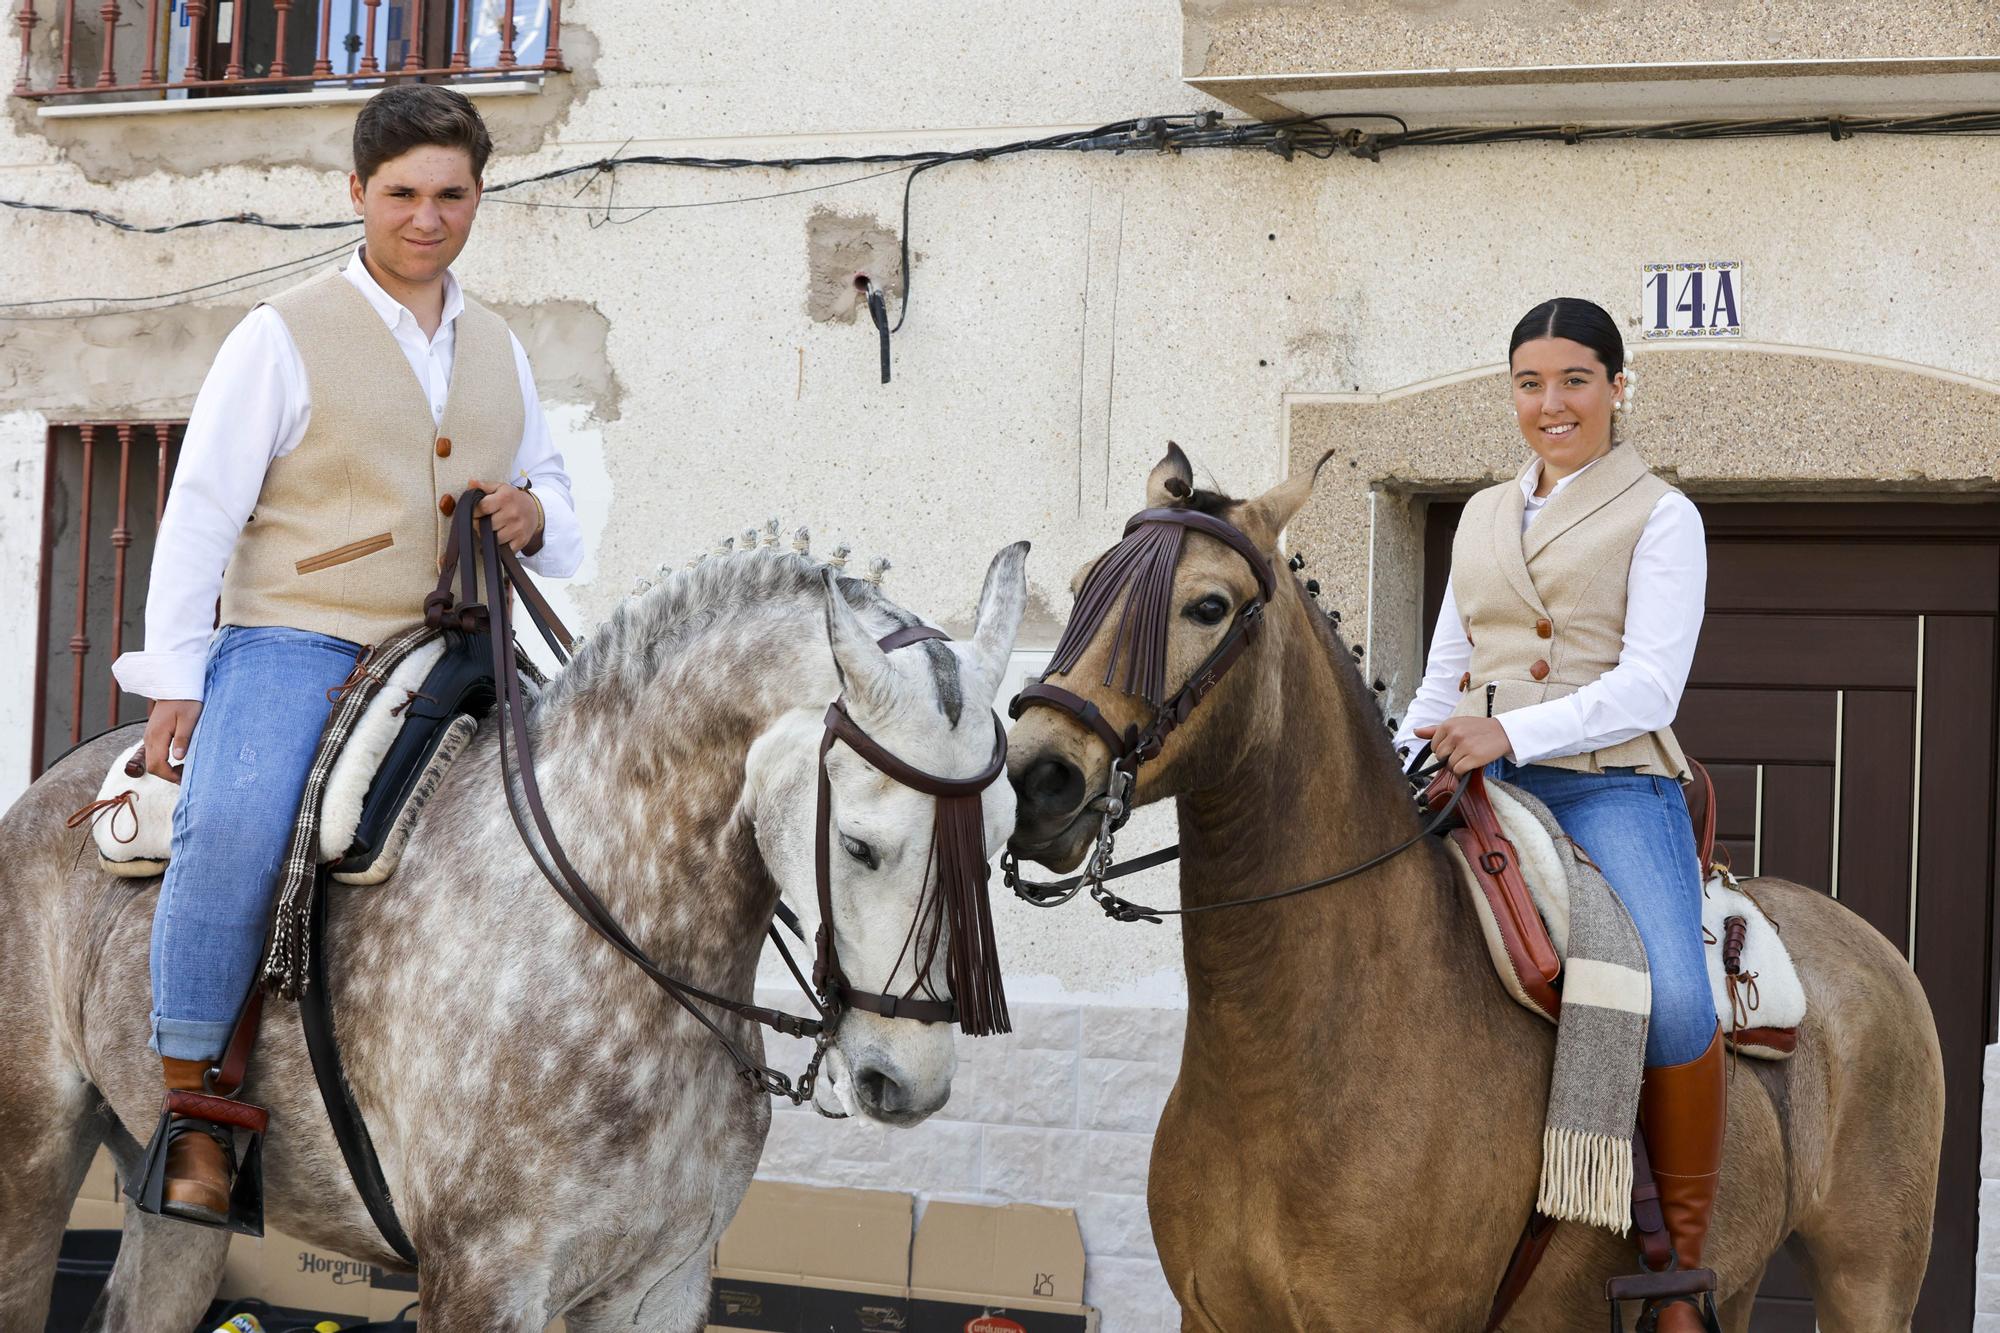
<point>1844,696</point>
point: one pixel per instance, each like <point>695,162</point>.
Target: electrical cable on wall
<point>1317,137</point>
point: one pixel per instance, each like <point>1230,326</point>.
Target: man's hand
<point>515,516</point>
<point>1466,743</point>
<point>169,728</point>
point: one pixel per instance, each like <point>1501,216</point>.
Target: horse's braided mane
<point>649,629</point>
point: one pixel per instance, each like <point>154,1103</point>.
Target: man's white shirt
<point>1665,592</point>
<point>252,410</point>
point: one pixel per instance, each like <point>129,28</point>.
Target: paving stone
<point>1124,1095</point>
<point>1116,1226</point>
<point>1036,1165</point>
<point>1132,1294</point>
<point>1017,1087</point>
<point>1113,1032</point>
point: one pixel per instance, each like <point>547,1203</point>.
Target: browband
<point>839,724</point>
<point>1220,530</point>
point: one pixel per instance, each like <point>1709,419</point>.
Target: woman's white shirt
<point>1665,592</point>
<point>252,410</point>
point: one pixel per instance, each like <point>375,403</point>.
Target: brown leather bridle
<point>1144,562</point>
<point>954,905</point>
<point>958,908</point>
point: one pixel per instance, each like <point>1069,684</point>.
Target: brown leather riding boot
<point>1681,1108</point>
<point>199,1171</point>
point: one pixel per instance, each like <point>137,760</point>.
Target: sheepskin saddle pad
<point>393,760</point>
<point>1758,997</point>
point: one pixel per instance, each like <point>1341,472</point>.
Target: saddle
<point>393,760</point>
<point>1509,854</point>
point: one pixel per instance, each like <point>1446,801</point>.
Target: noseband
<point>1144,563</point>
<point>954,905</point>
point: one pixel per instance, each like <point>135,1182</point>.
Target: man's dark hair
<point>413,115</point>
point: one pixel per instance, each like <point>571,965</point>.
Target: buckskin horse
<point>1354,1137</point>
<point>559,1137</point>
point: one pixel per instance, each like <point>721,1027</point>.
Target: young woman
<point>1560,654</point>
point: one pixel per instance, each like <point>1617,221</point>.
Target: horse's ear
<point>865,675</point>
<point>1263,518</point>
<point>1003,600</point>
<point>1171,480</point>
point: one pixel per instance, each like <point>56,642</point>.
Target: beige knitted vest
<point>1545,608</point>
<point>347,533</point>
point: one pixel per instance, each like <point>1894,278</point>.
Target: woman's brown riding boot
<point>1681,1108</point>
<point>200,1165</point>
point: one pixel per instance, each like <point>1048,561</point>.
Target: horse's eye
<point>1209,610</point>
<point>860,851</point>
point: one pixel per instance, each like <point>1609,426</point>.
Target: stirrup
<point>1674,1286</point>
<point>222,1117</point>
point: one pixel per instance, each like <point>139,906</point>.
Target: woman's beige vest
<point>1545,608</point>
<point>349,527</point>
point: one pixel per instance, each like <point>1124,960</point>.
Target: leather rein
<point>1149,577</point>
<point>478,558</point>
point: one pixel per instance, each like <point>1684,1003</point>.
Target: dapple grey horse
<point>559,1137</point>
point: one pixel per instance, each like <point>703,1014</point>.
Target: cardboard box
<point>102,1180</point>
<point>299,1276</point>
<point>1017,1268</point>
<point>797,1259</point>
<point>243,1269</point>
<point>96,1215</point>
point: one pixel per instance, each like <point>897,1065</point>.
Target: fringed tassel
<point>973,960</point>
<point>1586,1178</point>
<point>1144,562</point>
<point>286,956</point>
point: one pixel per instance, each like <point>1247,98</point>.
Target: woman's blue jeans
<point>1635,827</point>
<point>264,705</point>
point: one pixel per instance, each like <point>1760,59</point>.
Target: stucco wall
<point>1071,314</point>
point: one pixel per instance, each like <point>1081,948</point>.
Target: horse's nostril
<point>879,1091</point>
<point>1052,784</point>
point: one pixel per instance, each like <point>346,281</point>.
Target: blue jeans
<point>264,705</point>
<point>1635,826</point>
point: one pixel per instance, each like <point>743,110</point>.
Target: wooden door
<point>1844,697</point>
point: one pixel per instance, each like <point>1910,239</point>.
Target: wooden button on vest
<point>1540,670</point>
<point>447,503</point>
<point>444,448</point>
<point>1465,682</point>
<point>1543,627</point>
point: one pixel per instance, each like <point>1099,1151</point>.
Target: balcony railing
<point>209,48</point>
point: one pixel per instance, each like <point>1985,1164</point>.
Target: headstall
<point>1144,562</point>
<point>954,907</point>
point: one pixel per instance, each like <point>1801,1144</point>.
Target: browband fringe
<point>1145,560</point>
<point>1586,1178</point>
<point>973,963</point>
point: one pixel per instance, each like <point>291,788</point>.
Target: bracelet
<point>541,514</point>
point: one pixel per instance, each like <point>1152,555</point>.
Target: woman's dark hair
<point>415,115</point>
<point>1578,320</point>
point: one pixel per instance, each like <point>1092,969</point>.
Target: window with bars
<point>104,489</point>
<point>123,50</point>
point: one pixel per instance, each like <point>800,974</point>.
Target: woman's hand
<point>1466,743</point>
<point>169,728</point>
<point>514,514</point>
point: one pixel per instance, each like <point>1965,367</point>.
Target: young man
<point>319,469</point>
